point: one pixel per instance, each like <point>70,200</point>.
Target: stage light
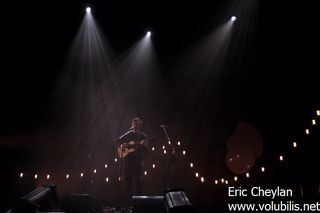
<point>233,18</point>
<point>263,169</point>
<point>313,122</point>
<point>148,34</point>
<point>235,178</point>
<point>163,147</point>
<point>222,180</point>
<point>247,175</point>
<point>107,179</point>
<point>115,160</point>
<point>307,132</point>
<point>94,171</point>
<point>152,148</point>
<point>216,181</point>
<point>145,172</point>
<point>153,165</point>
<point>184,152</point>
<point>295,144</point>
<point>21,175</point>
<point>191,165</point>
<point>197,174</point>
<point>179,143</point>
<point>48,176</point>
<point>318,112</point>
<point>88,9</point>
<point>176,201</point>
<point>164,152</point>
<point>119,178</point>
<point>169,142</point>
<point>105,165</point>
<point>81,175</point>
<point>281,158</point>
<point>67,176</point>
<point>41,199</point>
<point>226,182</point>
<point>35,176</point>
<point>202,179</point>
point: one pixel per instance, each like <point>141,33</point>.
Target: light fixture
<point>281,158</point>
<point>295,144</point>
<point>176,200</point>
<point>307,131</point>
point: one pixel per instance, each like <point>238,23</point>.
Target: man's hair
<point>136,119</point>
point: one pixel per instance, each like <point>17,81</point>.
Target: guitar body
<point>126,148</point>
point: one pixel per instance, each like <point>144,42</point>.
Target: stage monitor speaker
<point>80,203</point>
<point>176,201</point>
<point>146,204</point>
<point>44,198</point>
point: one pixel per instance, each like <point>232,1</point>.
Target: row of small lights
<point>202,179</point>
<point>222,180</point>
<point>262,169</point>
<point>184,152</point>
<point>307,132</point>
<point>67,176</point>
<point>197,175</point>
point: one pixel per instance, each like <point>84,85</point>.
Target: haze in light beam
<point>203,68</point>
<point>85,83</point>
<point>140,79</point>
<point>210,72</point>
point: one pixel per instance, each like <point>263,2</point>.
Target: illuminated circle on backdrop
<point>240,160</point>
<point>250,138</point>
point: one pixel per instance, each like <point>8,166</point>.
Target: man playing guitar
<point>132,148</point>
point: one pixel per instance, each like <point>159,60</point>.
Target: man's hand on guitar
<point>141,142</point>
<point>125,148</point>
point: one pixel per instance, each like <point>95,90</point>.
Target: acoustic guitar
<point>126,148</point>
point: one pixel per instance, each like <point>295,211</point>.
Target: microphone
<point>126,133</point>
<point>163,126</point>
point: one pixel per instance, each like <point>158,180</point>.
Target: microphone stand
<point>172,154</point>
<point>120,173</point>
